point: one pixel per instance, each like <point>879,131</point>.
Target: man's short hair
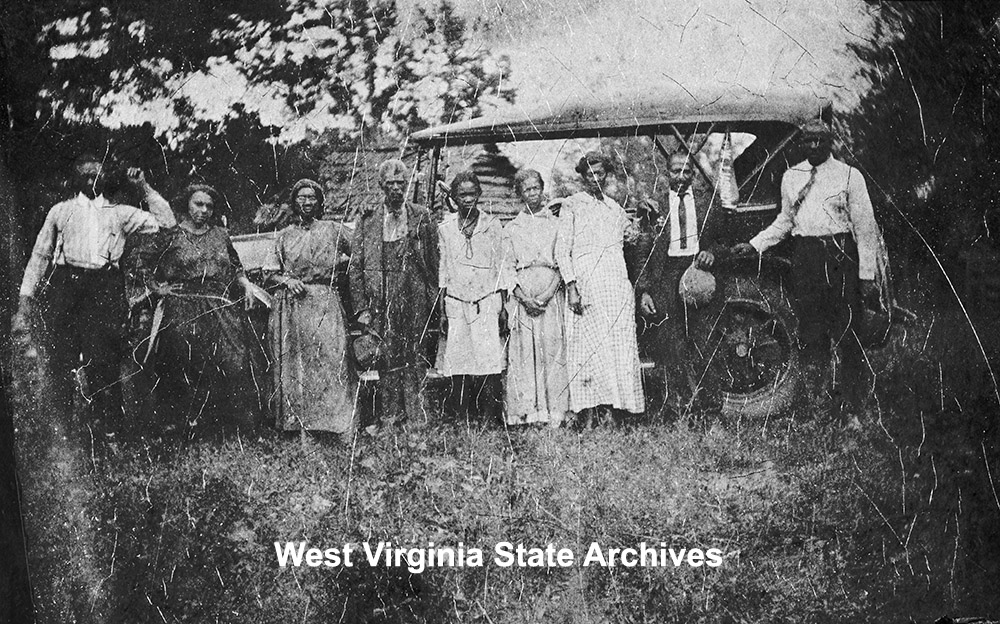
<point>817,127</point>
<point>86,157</point>
<point>681,153</point>
<point>392,168</point>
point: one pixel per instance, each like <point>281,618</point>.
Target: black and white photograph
<point>499,311</point>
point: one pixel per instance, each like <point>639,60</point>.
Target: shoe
<point>606,418</point>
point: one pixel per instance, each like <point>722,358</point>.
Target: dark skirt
<point>210,364</point>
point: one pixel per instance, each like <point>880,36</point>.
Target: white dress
<point>537,382</point>
<point>473,271</point>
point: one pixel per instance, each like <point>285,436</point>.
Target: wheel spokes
<point>749,347</point>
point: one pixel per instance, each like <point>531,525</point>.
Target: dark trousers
<point>828,305</point>
<point>400,393</point>
<point>84,315</point>
<point>663,338</point>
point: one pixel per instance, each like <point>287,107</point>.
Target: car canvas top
<point>646,114</point>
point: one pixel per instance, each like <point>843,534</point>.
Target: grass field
<point>814,523</point>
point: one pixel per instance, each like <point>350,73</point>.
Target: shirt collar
<point>97,202</point>
<point>483,223</point>
<point>828,163</point>
<point>544,213</point>
<point>805,165</point>
<point>603,201</point>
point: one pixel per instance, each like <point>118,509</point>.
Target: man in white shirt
<point>683,236</point>
<point>826,208</point>
<point>73,272</point>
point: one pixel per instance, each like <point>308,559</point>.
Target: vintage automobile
<point>742,344</point>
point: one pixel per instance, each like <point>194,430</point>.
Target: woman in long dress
<point>537,381</point>
<point>474,279</point>
<point>602,350</point>
<point>208,360</point>
<point>314,386</point>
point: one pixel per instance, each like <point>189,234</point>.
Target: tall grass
<point>783,507</point>
<point>814,523</point>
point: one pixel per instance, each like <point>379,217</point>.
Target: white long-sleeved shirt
<point>837,203</point>
<point>89,234</point>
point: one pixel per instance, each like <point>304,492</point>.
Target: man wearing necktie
<point>683,235</point>
<point>826,209</point>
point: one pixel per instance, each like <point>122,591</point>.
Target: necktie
<point>682,221</point>
<point>804,192</point>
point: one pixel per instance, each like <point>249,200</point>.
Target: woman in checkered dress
<point>602,351</point>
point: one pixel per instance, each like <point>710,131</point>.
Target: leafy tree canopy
<point>222,89</point>
<point>927,129</point>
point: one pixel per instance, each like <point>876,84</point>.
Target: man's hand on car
<point>296,287</point>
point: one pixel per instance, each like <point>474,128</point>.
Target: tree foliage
<point>927,130</point>
<point>221,90</point>
<point>355,61</point>
<point>352,60</point>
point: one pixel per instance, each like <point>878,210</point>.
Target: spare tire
<point>744,347</point>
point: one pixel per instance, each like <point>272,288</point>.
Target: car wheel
<point>745,347</point>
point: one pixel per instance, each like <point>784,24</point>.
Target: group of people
<point>534,321</point>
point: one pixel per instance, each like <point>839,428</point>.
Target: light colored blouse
<point>311,252</point>
<point>473,267</point>
<point>531,246</point>
<point>591,239</point>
